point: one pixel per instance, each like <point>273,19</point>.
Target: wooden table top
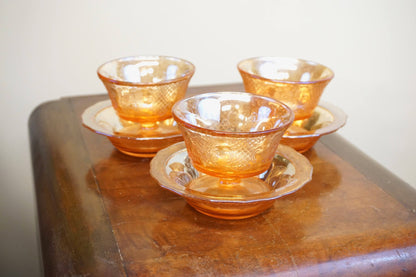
<point>101,213</point>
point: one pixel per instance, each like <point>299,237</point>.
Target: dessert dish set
<point>230,155</point>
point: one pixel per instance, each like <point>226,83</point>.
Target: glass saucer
<point>303,134</point>
<point>129,137</point>
<point>289,171</point>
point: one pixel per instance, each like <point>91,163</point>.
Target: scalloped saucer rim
<point>89,120</point>
<point>300,164</point>
<point>339,119</point>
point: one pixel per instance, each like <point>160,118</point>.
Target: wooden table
<point>101,213</point>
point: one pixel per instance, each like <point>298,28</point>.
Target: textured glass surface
<point>231,134</point>
<point>130,137</point>
<point>288,172</point>
<point>303,134</point>
<point>144,89</point>
<point>296,82</point>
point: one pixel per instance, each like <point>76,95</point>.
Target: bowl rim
<point>187,75</point>
<point>256,76</point>
<point>191,126</point>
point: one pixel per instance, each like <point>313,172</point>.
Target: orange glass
<point>130,137</point>
<point>303,134</point>
<point>144,88</point>
<point>289,171</point>
<point>296,82</point>
<point>231,137</point>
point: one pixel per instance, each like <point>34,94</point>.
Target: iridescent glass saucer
<point>289,171</point>
<point>127,136</point>
<point>303,134</point>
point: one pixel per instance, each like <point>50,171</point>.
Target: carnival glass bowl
<point>231,137</point>
<point>144,88</point>
<point>296,82</point>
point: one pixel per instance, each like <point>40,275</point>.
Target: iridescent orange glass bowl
<point>231,137</point>
<point>296,82</point>
<point>144,88</point>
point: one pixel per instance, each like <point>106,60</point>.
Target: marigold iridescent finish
<point>231,137</point>
<point>296,82</point>
<point>303,134</point>
<point>127,136</point>
<point>144,88</point>
<point>288,172</point>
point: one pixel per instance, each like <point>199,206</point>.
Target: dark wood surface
<point>101,213</point>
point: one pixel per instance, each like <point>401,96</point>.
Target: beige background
<point>50,49</point>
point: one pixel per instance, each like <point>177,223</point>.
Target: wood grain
<point>101,213</point>
<point>76,234</point>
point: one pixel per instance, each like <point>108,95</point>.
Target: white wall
<point>50,49</point>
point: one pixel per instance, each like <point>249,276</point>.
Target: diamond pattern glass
<point>144,88</point>
<point>232,136</point>
<point>296,82</point>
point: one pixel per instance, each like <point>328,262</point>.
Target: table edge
<point>373,170</point>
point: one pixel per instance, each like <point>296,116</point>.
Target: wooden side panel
<point>76,237</point>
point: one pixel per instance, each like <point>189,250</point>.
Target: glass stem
<point>229,181</point>
<point>149,125</point>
